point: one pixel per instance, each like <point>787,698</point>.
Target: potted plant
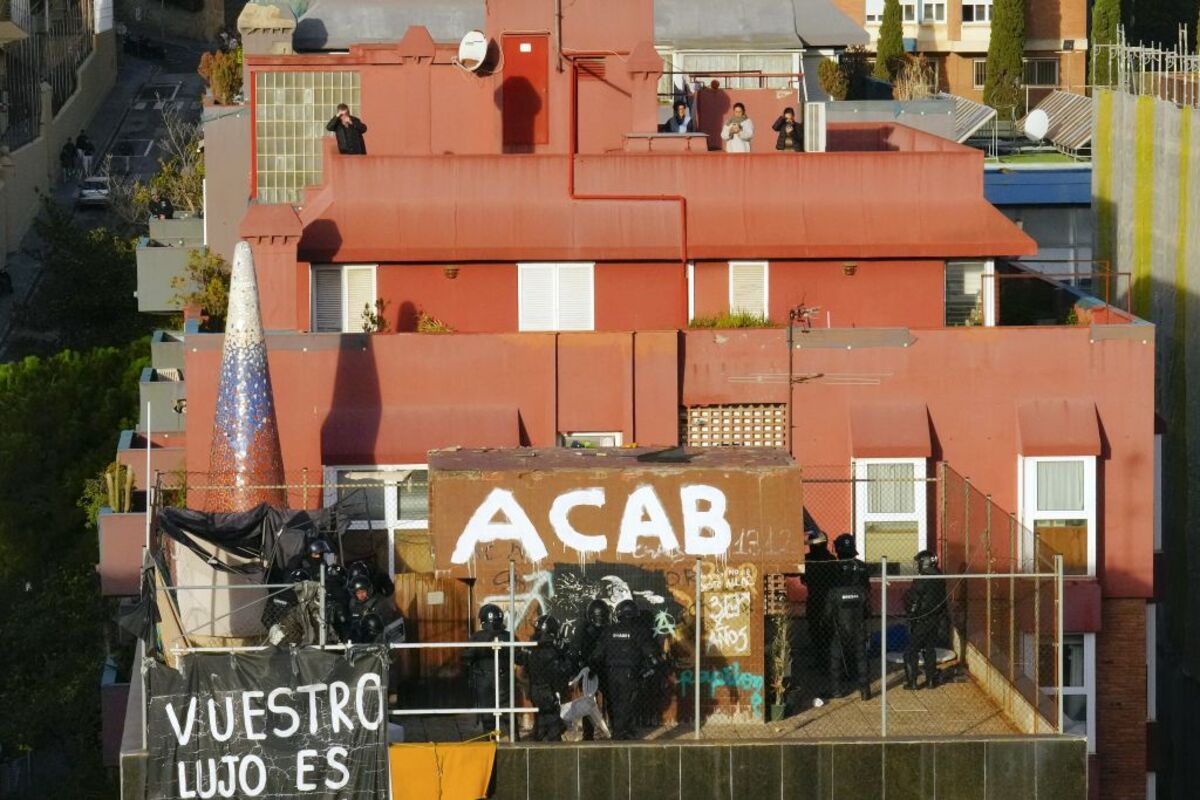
<point>781,656</point>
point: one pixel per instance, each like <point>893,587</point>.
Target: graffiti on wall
<point>744,688</point>
<point>728,600</point>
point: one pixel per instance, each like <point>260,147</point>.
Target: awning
<point>754,25</point>
<point>1058,427</point>
<point>405,435</point>
<point>890,430</point>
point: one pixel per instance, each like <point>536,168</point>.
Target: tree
<point>1005,67</point>
<point>205,285</point>
<point>180,176</point>
<point>833,79</point>
<point>890,48</point>
<point>222,71</point>
<point>86,295</point>
<point>1106,19</point>
<point>915,79</point>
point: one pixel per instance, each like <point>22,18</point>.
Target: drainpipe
<point>570,56</point>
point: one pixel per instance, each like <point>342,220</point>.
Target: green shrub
<point>1005,65</point>
<point>738,319</point>
<point>889,51</point>
<point>833,79</point>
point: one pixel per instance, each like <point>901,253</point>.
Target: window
<point>1058,498</point>
<point>873,11</point>
<point>589,440</point>
<point>290,112</point>
<point>748,288</point>
<point>340,296</point>
<point>700,66</point>
<point>969,293</point>
<point>976,11</point>
<point>889,508</point>
<point>1079,686</point>
<point>909,9</point>
<point>933,11</point>
<point>756,425</point>
<point>556,297</point>
<point>1041,72</point>
<point>980,71</point>
<point>396,499</point>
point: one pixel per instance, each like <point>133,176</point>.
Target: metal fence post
<point>304,485</point>
<point>1058,633</point>
<point>967,524</point>
<point>696,654</point>
<point>987,582</point>
<point>496,685</point>
<point>943,534</point>
<point>1012,601</point>
<point>149,491</point>
<point>1037,645</point>
<point>321,605</point>
<point>883,610</point>
<point>512,651</point>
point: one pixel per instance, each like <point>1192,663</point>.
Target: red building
<point>539,267</point>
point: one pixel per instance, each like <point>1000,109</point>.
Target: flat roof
<point>535,459</point>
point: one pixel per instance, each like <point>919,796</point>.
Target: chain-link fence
<point>742,646</point>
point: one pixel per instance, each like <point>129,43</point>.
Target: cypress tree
<point>1005,70</point>
<point>889,51</point>
<point>1106,17</point>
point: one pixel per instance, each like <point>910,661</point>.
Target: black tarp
<point>263,534</point>
<point>278,723</point>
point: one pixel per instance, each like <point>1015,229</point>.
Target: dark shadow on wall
<point>520,104</point>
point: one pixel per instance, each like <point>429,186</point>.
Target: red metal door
<point>526,90</point>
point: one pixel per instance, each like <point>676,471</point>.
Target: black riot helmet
<point>299,576</point>
<point>926,561</point>
<point>336,573</point>
<point>844,546</point>
<point>317,549</point>
<point>817,539</point>
<point>491,617</point>
<point>370,627</point>
<point>546,628</point>
<point>360,568</point>
<point>360,584</point>
<point>597,613</point>
<point>627,611</point>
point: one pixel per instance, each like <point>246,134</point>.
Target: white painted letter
<point>211,791</point>
<point>563,529</point>
<point>331,757</point>
<point>311,690</point>
<point>359,691</point>
<point>184,792</point>
<point>482,527</point>
<point>645,517</point>
<point>288,711</point>
<point>226,788</point>
<point>243,777</point>
<point>697,520</point>
<point>339,695</point>
<point>183,735</point>
<point>220,736</point>
<point>249,713</point>
<point>303,768</point>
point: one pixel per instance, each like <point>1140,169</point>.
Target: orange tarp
<point>458,771</point>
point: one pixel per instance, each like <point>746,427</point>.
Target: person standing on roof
<point>349,131</point>
<point>738,131</point>
<point>791,132</point>
<point>680,121</point>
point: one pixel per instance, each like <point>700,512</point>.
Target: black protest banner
<point>270,724</point>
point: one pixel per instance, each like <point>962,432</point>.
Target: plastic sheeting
<point>459,771</point>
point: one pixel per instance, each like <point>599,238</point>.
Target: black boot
<point>931,678</point>
<point>910,676</point>
<point>865,692</point>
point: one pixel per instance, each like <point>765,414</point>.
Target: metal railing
<point>1170,73</point>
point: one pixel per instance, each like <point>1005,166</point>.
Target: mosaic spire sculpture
<point>245,464</point>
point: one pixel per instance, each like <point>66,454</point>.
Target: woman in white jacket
<point>738,131</point>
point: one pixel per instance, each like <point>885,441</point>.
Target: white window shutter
<point>748,288</point>
<point>360,295</point>
<point>536,287</point>
<point>576,305</point>
<point>327,300</point>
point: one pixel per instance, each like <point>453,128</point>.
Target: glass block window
<point>290,112</point>
<point>758,425</point>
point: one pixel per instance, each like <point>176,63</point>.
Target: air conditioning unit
<point>814,127</point>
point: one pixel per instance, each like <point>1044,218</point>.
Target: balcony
<point>167,454</point>
<point>122,536</point>
<point>163,256</point>
<point>162,397</point>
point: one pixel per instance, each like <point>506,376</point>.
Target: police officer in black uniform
<point>625,655</point>
<point>587,634</point>
<point>846,611</point>
<point>549,671</point>
<point>926,608</point>
<point>820,568</point>
<point>481,663</point>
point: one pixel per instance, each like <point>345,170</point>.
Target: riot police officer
<point>845,612</point>
<point>624,655</point>
<point>549,671</point>
<point>583,644</point>
<point>481,663</point>
<point>819,574</point>
<point>926,608</point>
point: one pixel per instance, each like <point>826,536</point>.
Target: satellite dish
<point>1037,124</point>
<point>473,50</point>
